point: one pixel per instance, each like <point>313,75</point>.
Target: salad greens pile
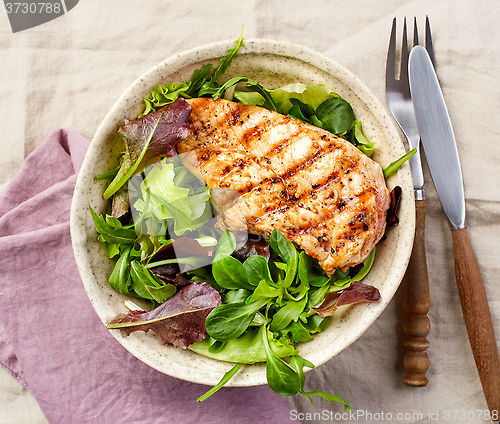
<point>163,235</point>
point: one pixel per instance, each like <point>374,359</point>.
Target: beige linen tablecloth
<point>69,72</point>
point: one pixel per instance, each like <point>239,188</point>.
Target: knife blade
<point>440,148</point>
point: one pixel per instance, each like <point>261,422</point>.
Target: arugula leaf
<point>225,61</point>
<point>147,286</point>
<point>112,234</point>
<point>209,88</point>
<point>233,81</point>
<point>198,79</point>
<point>268,103</point>
<point>202,83</point>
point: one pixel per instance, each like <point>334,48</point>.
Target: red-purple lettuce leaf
<point>255,245</point>
<point>179,321</point>
<point>392,217</point>
<point>121,203</point>
<point>150,138</point>
<point>357,292</point>
<point>180,248</point>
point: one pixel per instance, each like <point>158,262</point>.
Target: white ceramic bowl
<point>273,64</point>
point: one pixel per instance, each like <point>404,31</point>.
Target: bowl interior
<point>273,64</point>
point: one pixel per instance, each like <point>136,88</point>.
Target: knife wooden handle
<point>477,317</point>
<point>416,303</point>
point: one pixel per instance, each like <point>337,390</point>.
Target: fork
<point>415,282</point>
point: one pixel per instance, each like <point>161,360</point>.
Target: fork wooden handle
<point>477,317</point>
<point>416,304</point>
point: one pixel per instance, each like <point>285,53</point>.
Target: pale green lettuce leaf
<point>312,95</point>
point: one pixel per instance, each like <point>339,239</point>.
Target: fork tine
<point>415,32</point>
<point>391,55</point>
<point>404,57</point>
<point>428,40</point>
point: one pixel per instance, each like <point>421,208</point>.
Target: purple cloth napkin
<point>51,339</point>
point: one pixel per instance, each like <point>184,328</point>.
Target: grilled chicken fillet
<point>317,189</point>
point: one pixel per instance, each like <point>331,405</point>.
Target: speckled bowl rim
<point>208,371</point>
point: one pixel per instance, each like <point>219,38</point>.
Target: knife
<point>440,148</point>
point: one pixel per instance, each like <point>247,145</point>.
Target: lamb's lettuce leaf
<point>335,115</point>
<point>298,363</point>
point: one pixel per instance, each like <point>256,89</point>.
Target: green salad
<point>241,301</point>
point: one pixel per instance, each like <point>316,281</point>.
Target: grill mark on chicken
<point>320,191</point>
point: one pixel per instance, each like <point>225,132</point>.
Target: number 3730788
<point>470,415</point>
<point>33,7</point>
